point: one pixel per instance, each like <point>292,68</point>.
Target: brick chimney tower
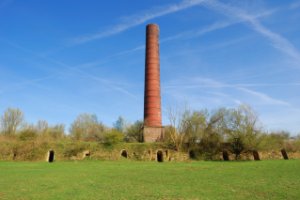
<point>153,130</point>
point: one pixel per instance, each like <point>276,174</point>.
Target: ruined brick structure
<point>153,130</point>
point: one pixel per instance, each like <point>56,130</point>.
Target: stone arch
<point>225,155</point>
<point>284,154</point>
<point>124,153</point>
<point>160,156</point>
<point>86,154</point>
<point>51,155</point>
<point>255,155</point>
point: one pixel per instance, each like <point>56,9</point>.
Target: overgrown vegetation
<point>202,133</point>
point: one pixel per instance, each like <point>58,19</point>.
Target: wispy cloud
<point>264,98</point>
<point>295,5</point>
<point>214,27</point>
<point>277,41</point>
<point>196,83</point>
<point>190,34</point>
<point>135,20</point>
<point>110,84</point>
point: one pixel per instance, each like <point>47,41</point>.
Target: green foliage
<point>237,147</point>
<point>113,137</point>
<point>273,140</point>
<point>209,145</point>
<point>134,132</point>
<point>73,149</point>
<point>28,133</point>
<point>204,132</point>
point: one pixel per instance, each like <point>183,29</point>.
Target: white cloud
<point>213,27</point>
<point>277,41</point>
<point>264,98</point>
<point>135,20</point>
<point>195,86</point>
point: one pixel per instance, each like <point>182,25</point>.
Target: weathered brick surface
<point>153,134</point>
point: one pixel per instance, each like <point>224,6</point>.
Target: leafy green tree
<point>274,140</point>
<point>193,126</point>
<point>200,133</point>
<point>241,126</point>
<point>134,132</point>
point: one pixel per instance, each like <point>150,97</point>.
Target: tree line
<point>86,127</point>
<point>205,132</point>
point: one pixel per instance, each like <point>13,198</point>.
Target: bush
<point>28,134</point>
<point>113,137</point>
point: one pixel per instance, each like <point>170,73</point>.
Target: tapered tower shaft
<point>152,99</point>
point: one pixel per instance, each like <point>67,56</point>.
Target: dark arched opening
<point>160,156</point>
<point>284,154</point>
<point>225,155</point>
<point>51,156</point>
<point>14,156</point>
<point>124,154</point>
<point>192,154</point>
<point>255,155</point>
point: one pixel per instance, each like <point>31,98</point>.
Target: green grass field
<point>278,179</point>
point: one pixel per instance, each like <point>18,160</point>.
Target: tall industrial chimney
<point>152,100</point>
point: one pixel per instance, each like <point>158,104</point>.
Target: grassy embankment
<point>273,179</point>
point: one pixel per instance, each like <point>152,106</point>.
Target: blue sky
<point>61,58</point>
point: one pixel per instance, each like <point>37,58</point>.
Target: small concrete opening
<point>225,156</point>
<point>284,154</point>
<point>192,154</point>
<point>51,156</point>
<point>255,155</point>
<point>160,156</point>
<point>86,154</point>
<point>124,153</point>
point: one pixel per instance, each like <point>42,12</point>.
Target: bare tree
<point>173,133</point>
<point>87,127</point>
<point>11,121</point>
<point>42,127</point>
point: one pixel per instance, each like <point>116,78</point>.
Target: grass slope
<point>277,179</point>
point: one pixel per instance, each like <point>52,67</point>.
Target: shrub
<point>113,137</point>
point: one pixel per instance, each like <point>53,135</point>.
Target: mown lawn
<point>278,179</point>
